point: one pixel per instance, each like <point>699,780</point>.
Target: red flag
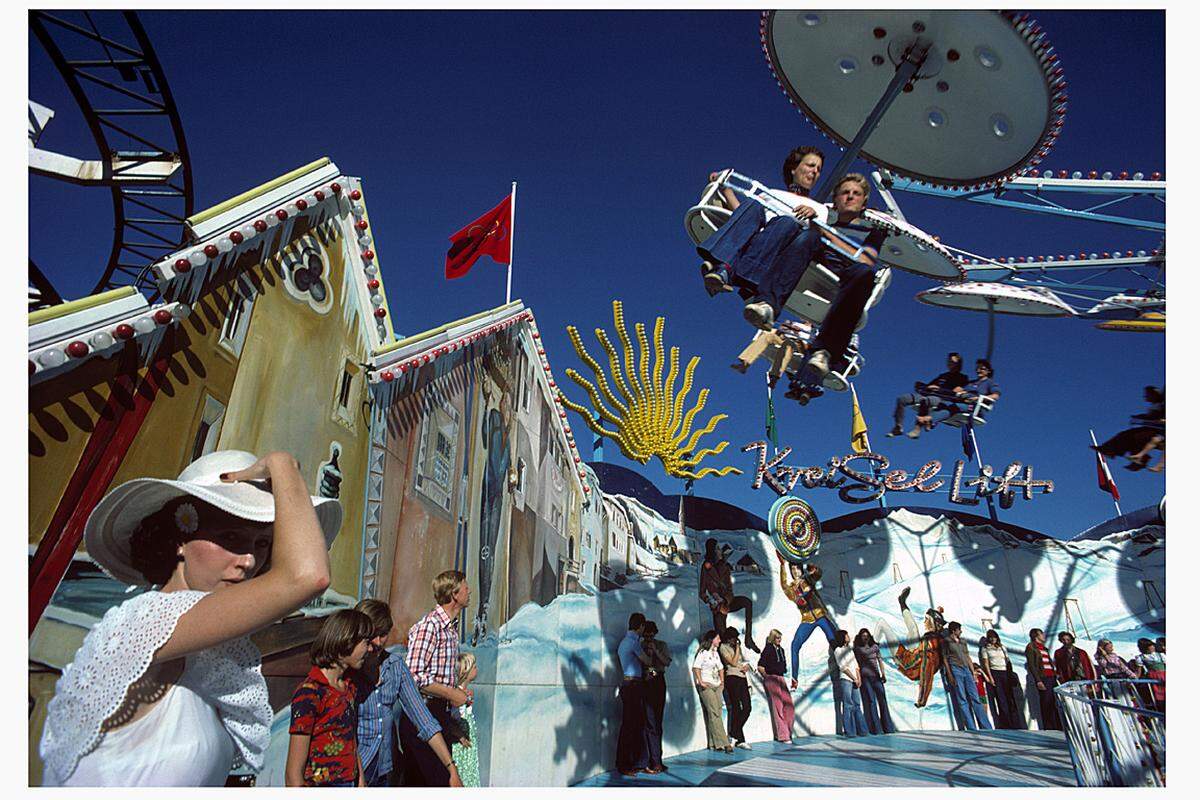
<point>1107,484</point>
<point>490,235</point>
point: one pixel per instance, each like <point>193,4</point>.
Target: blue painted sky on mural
<point>610,122</point>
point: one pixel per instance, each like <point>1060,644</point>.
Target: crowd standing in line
<point>709,676</point>
<point>1003,688</point>
<point>655,662</point>
<point>433,659</point>
<point>737,688</point>
<point>772,666</point>
<point>323,735</point>
<point>964,692</point>
<point>874,696</point>
<point>387,691</point>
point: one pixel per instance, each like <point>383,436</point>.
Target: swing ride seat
<point>818,285</point>
<point>982,405</point>
<point>838,377</point>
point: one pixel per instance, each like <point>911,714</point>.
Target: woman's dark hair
<point>954,626</point>
<point>864,638</point>
<point>1144,645</point>
<point>707,639</point>
<point>795,157</point>
<point>154,544</point>
<point>842,639</point>
<point>338,637</point>
<point>983,362</point>
<point>380,615</point>
<point>729,634</point>
<point>1061,634</point>
<point>649,630</point>
<point>991,634</point>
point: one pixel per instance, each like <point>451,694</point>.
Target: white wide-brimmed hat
<point>118,515</point>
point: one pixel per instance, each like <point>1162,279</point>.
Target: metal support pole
<point>991,342</point>
<point>913,59</point>
<point>991,501</point>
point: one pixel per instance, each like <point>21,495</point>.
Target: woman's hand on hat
<point>263,467</point>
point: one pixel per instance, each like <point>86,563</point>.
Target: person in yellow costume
<point>800,586</point>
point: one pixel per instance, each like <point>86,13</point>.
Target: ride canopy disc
<point>794,528</point>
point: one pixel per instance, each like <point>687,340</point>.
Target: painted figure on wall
<point>716,590</point>
<point>800,586</point>
<point>922,660</point>
<point>497,445</point>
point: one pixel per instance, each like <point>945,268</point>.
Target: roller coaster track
<point>107,62</point>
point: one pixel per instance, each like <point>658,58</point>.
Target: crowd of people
<point>367,717</point>
<point>984,689</point>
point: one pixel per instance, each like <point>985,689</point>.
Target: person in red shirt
<point>322,750</point>
<point>1072,663</point>
<point>1041,673</point>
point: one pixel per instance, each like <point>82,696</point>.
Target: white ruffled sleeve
<point>115,653</point>
<point>230,677</point>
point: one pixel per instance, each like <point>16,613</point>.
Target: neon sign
<point>873,479</point>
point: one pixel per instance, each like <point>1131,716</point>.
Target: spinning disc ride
<point>956,98</point>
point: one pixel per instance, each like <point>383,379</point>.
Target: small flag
<point>772,430</point>
<point>1107,484</point>
<point>490,235</point>
<point>858,427</point>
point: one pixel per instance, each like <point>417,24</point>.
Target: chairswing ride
<point>973,101</point>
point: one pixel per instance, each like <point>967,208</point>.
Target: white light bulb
<point>144,324</point>
<point>224,245</point>
<point>248,232</point>
<point>101,340</point>
<point>197,258</point>
<point>52,358</point>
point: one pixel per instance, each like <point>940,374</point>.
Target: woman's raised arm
<point>299,568</point>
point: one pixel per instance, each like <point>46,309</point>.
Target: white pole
<point>1107,470</point>
<point>512,218</point>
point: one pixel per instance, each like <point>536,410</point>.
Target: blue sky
<point>610,122</point>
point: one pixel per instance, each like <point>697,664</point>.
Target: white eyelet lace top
<point>216,717</point>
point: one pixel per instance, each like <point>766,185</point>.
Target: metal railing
<point>1116,731</point>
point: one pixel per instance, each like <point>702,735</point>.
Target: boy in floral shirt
<point>322,750</point>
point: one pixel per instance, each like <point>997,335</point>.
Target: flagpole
<point>1107,471</point>
<point>512,230</point>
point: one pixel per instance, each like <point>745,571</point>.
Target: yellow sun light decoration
<point>648,416</point>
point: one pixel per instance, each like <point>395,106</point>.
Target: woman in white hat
<point>167,689</point>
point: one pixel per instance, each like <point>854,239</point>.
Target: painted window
<point>344,394</point>
<point>520,487</point>
<point>556,518</point>
<point>209,430</point>
<point>237,321</point>
<point>437,454</point>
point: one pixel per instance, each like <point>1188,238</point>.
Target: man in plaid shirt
<point>433,659</point>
